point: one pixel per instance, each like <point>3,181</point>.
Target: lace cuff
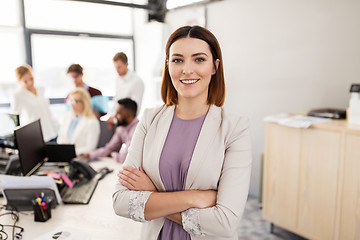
<point>137,203</point>
<point>191,222</point>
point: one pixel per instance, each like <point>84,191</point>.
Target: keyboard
<point>81,192</point>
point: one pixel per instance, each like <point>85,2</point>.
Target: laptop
<point>60,152</point>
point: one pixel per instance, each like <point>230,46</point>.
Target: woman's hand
<point>135,179</point>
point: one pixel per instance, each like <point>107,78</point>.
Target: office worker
<point>30,103</point>
<point>126,124</point>
<point>128,85</point>
<point>76,72</point>
<point>187,172</point>
<point>80,126</point>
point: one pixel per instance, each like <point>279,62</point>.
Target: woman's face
<point>76,104</point>
<point>27,81</point>
<point>191,67</point>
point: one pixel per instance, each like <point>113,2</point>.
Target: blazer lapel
<point>207,134</point>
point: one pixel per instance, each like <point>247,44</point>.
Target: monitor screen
<point>31,146</point>
<point>8,123</point>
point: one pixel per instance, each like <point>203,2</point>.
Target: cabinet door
<point>350,201</point>
<point>281,175</point>
<point>320,157</point>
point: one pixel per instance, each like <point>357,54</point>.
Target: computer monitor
<point>31,146</point>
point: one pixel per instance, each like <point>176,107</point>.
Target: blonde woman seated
<point>80,126</point>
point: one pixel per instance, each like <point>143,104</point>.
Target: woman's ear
<point>216,66</point>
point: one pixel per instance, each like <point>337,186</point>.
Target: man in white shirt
<point>128,84</point>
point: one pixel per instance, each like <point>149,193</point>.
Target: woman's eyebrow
<point>177,55</point>
<point>193,55</point>
<point>198,54</point>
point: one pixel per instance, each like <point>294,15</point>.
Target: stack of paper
<point>296,121</point>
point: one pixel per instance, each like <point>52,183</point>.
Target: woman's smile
<point>189,81</point>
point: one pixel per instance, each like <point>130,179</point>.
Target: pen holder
<point>41,213</point>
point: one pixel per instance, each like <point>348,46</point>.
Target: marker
<point>43,204</point>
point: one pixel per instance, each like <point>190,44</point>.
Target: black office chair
<point>105,134</point>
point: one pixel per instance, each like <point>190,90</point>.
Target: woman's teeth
<point>189,81</point>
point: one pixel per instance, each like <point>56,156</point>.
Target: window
<point>52,54</point>
<point>9,13</point>
<point>12,52</point>
<point>171,4</point>
<point>78,16</point>
<point>12,55</point>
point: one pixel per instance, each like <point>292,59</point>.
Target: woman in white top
<point>29,102</point>
<point>80,126</point>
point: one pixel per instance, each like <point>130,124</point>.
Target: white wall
<point>285,56</point>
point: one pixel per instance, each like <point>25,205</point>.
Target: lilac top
<point>174,163</point>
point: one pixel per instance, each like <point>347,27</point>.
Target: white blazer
<point>221,161</point>
<point>86,134</point>
<point>32,107</point>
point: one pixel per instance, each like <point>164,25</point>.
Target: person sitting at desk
<point>30,103</point>
<point>80,126</point>
<point>126,122</point>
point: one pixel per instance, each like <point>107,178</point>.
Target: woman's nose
<point>187,68</point>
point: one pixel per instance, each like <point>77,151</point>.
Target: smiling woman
<point>187,171</point>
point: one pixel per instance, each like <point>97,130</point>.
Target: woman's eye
<point>199,59</point>
<point>176,60</point>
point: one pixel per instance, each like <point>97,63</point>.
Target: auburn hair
<point>216,93</point>
<point>22,70</point>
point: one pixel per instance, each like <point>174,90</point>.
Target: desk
<point>96,219</point>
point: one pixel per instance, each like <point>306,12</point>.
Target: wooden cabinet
<point>350,205</point>
<point>281,188</point>
<point>312,180</point>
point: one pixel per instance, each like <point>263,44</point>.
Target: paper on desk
<point>64,233</point>
<point>296,121</point>
<point>20,182</point>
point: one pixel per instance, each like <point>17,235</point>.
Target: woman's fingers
<point>126,184</point>
<point>132,170</point>
<point>129,174</point>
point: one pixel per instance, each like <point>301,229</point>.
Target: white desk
<point>96,219</point>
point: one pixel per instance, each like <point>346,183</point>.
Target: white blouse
<point>85,135</point>
<point>32,107</point>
